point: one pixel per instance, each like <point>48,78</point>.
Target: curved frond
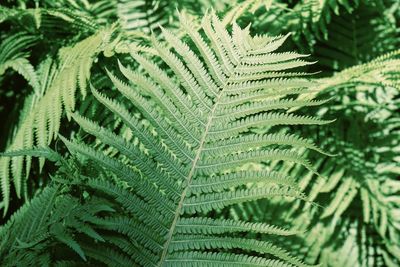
<point>56,95</point>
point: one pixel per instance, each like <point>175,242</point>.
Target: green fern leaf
<point>56,95</point>
<point>189,160</point>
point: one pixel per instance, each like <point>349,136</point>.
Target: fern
<point>58,94</point>
<point>193,155</point>
<point>180,125</point>
<point>357,37</point>
<point>53,20</point>
<point>339,33</point>
<point>37,212</point>
<point>360,177</point>
<point>59,221</point>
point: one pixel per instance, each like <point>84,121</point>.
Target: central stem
<point>189,181</point>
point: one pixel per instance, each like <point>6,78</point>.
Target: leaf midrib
<point>189,180</point>
<point>194,165</point>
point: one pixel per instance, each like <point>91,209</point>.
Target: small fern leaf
<point>55,94</point>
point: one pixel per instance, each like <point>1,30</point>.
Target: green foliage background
<point>76,206</point>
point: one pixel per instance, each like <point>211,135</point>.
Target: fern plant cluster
<point>200,133</point>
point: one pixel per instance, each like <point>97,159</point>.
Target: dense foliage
<point>200,133</point>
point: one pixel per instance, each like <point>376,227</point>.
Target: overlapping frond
<point>357,37</point>
<point>56,95</point>
<point>339,33</point>
<point>60,221</point>
<point>363,178</point>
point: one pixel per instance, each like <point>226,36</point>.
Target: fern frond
<point>358,180</point>
<point>62,222</point>
<point>56,96</point>
<point>23,67</point>
<point>171,178</point>
<point>37,211</point>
